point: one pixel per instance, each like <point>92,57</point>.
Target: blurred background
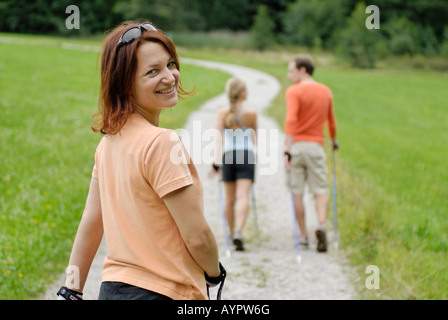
<point>412,28</point>
<point>391,101</point>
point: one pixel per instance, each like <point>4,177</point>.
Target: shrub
<point>263,29</point>
<point>363,47</point>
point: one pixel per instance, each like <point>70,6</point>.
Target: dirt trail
<point>268,269</point>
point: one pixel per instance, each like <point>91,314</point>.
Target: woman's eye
<point>151,72</point>
<point>172,65</point>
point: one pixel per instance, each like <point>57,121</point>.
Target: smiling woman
<point>46,133</point>
<point>141,59</point>
<point>155,84</point>
<point>148,207</point>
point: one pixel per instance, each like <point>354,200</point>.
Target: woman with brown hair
<point>145,194</point>
<point>238,127</point>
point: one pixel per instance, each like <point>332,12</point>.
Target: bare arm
<point>187,212</point>
<point>218,136</point>
<point>255,127</point>
<point>332,127</point>
<point>87,241</point>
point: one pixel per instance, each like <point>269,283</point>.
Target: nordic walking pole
<point>254,210</point>
<point>335,218</point>
<point>296,228</point>
<point>224,221</point>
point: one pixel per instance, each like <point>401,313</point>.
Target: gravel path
<point>268,268</point>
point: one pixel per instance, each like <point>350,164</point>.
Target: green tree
<point>45,16</point>
<point>403,36</point>
<point>227,15</point>
<point>263,29</point>
<point>429,45</point>
<point>360,45</point>
<point>173,15</point>
<point>312,22</point>
<point>444,45</point>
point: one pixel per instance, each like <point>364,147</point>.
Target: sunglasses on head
<point>131,34</point>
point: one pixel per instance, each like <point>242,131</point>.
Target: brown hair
<point>303,60</point>
<point>118,69</point>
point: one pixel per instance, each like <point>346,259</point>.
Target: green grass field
<point>391,168</point>
<point>47,97</point>
<point>394,196</point>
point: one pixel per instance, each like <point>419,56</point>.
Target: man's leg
<point>300,214</point>
<point>321,232</point>
<point>298,180</point>
<point>317,178</point>
<point>322,208</point>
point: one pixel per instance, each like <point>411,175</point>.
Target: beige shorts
<point>308,166</point>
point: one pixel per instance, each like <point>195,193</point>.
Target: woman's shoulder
<point>249,113</point>
<point>222,112</point>
<point>146,133</point>
<point>165,135</point>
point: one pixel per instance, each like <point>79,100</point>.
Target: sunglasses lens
<point>131,34</point>
<point>148,27</point>
<point>134,33</point>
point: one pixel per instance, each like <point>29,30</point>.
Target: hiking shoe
<point>238,242</point>
<point>321,240</point>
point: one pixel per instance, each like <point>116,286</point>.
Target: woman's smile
<point>156,81</point>
<point>167,92</point>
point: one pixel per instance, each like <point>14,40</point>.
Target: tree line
<point>417,27</point>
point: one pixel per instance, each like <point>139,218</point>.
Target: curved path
<point>268,268</point>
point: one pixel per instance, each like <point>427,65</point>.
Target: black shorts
<point>238,164</point>
<point>122,291</point>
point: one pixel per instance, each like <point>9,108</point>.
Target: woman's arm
<point>87,240</point>
<point>218,136</point>
<point>187,212</point>
<point>255,127</point>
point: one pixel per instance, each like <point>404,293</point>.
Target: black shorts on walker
<point>238,164</point>
<point>122,291</point>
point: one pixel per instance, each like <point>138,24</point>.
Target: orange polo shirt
<point>309,107</point>
<point>135,169</point>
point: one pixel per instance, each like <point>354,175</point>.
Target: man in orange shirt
<point>309,107</point>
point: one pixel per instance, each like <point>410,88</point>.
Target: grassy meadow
<point>391,169</point>
<point>47,96</point>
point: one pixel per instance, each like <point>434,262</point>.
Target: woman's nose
<point>169,75</point>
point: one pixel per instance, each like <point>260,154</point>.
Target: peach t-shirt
<point>135,169</point>
<point>310,106</point>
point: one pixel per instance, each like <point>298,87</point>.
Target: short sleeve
<point>292,110</point>
<point>166,164</point>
